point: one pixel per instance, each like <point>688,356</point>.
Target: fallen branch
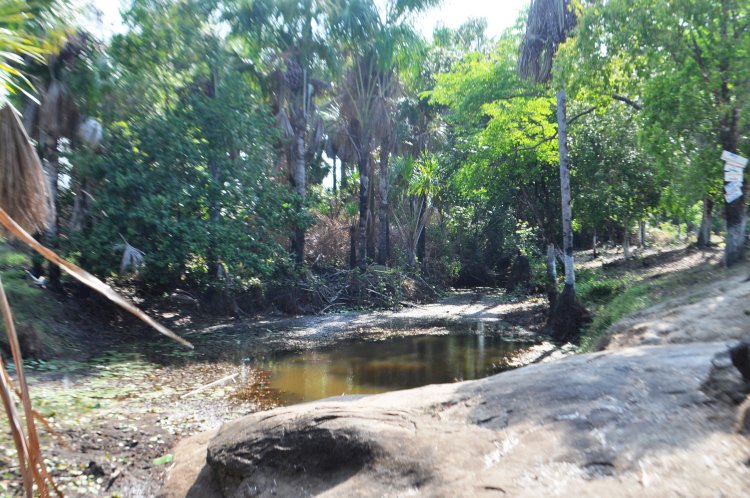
<point>208,386</point>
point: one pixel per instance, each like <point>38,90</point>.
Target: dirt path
<point>119,414</point>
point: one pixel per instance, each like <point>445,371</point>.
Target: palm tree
<point>549,24</point>
<point>371,42</point>
<point>286,36</point>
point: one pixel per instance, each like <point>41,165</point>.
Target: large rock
<point>649,421</point>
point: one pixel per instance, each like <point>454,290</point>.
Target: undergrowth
<point>33,308</point>
<point>611,297</point>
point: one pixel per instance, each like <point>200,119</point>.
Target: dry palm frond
<point>285,124</point>
<point>23,188</point>
<point>548,26</point>
<point>35,467</point>
<point>58,115</point>
<point>84,277</point>
<point>16,429</point>
<point>131,258</point>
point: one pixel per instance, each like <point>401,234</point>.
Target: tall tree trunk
<point>593,245</point>
<point>364,207</point>
<point>642,234</point>
<point>371,218</point>
<point>626,240</point>
<point>704,232</point>
<point>383,242</point>
<point>214,265</point>
<point>352,246</point>
<point>567,213</point>
<point>344,181</point>
<point>298,183</point>
<point>80,207</point>
<point>551,276</point>
<point>568,316</point>
<point>333,170</point>
<point>52,169</point>
<point>422,240</point>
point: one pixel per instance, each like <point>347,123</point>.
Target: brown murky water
<point>387,365</point>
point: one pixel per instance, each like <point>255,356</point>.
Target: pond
<point>386,365</point>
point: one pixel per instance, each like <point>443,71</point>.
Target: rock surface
<point>647,421</point>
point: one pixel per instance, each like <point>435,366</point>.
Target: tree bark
<point>626,240</point>
<point>80,207</point>
<point>352,246</point>
<point>551,276</point>
<point>371,232</point>
<point>344,181</point>
<point>568,315</point>
<point>333,170</point>
<point>52,169</point>
<point>422,241</point>
<point>298,184</point>
<point>364,208</point>
<point>642,234</point>
<point>383,242</point>
<point>567,213</point>
<point>214,265</point>
<point>593,245</point>
<point>704,232</point>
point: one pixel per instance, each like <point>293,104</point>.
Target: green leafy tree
<point>688,61</point>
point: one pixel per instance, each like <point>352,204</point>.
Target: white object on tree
<point>91,132</point>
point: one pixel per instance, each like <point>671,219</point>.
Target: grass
<point>34,310</point>
<point>616,293</point>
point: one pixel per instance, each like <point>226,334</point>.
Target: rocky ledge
<point>648,421</point>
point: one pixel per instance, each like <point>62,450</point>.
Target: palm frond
<point>16,44</point>
<point>549,24</point>
<point>23,188</point>
<point>131,258</point>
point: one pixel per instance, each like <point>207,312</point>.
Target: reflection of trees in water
<point>396,363</point>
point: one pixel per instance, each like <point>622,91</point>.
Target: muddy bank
<point>484,312</point>
<point>658,421</point>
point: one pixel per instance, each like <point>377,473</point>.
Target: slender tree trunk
<point>52,169</point>
<point>593,244</point>
<point>568,316</point>
<point>80,207</point>
<point>298,183</point>
<point>704,232</point>
<point>551,276</point>
<point>352,246</point>
<point>422,246</point>
<point>364,207</point>
<point>344,181</point>
<point>371,232</point>
<point>567,213</point>
<point>626,240</point>
<point>333,170</point>
<point>214,265</point>
<point>642,234</point>
<point>383,245</point>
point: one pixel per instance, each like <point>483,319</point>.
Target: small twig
<point>208,386</point>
